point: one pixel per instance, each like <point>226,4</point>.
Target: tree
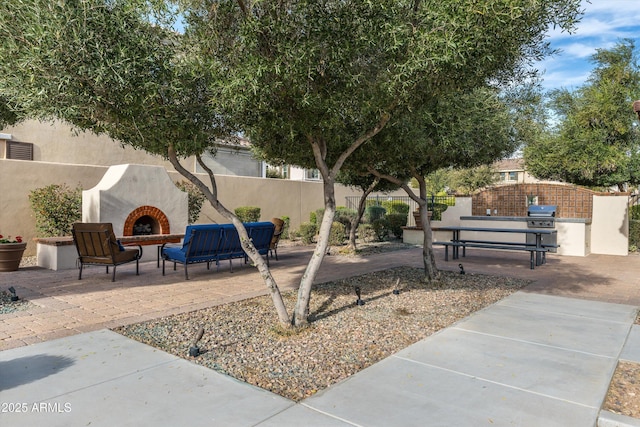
<point>105,67</point>
<point>309,82</point>
<point>596,142</point>
<point>462,129</point>
<point>312,82</point>
<point>470,179</point>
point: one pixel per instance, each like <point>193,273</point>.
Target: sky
<point>604,23</point>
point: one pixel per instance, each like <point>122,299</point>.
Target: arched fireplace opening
<point>146,225</point>
<point>146,220</point>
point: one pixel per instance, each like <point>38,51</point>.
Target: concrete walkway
<point>541,357</point>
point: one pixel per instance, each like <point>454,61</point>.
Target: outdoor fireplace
<point>137,200</point>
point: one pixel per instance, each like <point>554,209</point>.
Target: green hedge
<point>437,209</point>
<point>337,234</point>
<point>56,208</point>
<point>395,222</point>
<point>374,213</point>
<point>634,235</point>
<point>308,232</point>
<point>248,213</point>
<point>396,207</point>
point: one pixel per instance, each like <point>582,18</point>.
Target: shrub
<point>366,232</point>
<point>634,212</point>
<point>307,232</point>
<point>373,213</point>
<point>56,208</point>
<point>344,216</point>
<point>380,228</point>
<point>437,209</point>
<point>371,202</point>
<point>337,234</point>
<point>318,214</point>
<point>248,213</point>
<point>285,227</point>
<point>195,199</point>
<point>396,207</point>
<point>395,222</point>
<point>634,234</point>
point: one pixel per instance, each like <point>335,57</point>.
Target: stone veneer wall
<point>511,200</point>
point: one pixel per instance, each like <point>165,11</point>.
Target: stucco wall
<point>610,225</point>
<point>57,143</point>
<point>275,197</point>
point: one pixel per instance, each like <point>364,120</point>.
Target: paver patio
<point>67,306</point>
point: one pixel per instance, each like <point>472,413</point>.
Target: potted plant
<point>418,219</point>
<point>11,251</point>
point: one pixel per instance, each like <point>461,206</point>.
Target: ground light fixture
<point>194,350</point>
<point>14,297</point>
<point>359,300</point>
<point>396,290</point>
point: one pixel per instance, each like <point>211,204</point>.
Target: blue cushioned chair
<point>201,244</point>
<point>261,234</point>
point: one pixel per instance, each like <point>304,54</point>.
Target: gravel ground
<point>244,340</point>
<point>623,396</point>
<point>624,391</point>
<point>8,306</point>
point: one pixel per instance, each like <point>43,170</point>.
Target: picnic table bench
<point>537,250</point>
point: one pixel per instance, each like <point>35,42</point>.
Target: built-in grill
<point>542,216</point>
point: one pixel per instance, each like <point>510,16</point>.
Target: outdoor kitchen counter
<point>522,219</point>
<point>574,234</point>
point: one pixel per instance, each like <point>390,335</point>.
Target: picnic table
<point>537,250</point>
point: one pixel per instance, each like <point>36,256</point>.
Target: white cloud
<point>577,50</point>
<point>565,78</point>
<point>605,22</point>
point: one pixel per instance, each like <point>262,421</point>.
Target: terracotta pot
<point>416,217</point>
<point>10,255</point>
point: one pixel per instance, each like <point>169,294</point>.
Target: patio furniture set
<point>97,244</point>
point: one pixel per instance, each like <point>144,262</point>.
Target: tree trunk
<point>246,243</point>
<point>429,260</point>
<point>301,312</point>
<point>361,208</point>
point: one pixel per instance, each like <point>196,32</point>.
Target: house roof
<point>509,165</point>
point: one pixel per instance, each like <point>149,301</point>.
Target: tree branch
<point>382,122</point>
<point>399,183</point>
<point>243,7</point>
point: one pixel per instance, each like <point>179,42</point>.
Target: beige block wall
<point>18,178</point>
<point>275,197</point>
<point>56,142</point>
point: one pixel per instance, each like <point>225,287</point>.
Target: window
<point>312,175</point>
<point>281,172</point>
<point>19,150</point>
<point>508,176</point>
